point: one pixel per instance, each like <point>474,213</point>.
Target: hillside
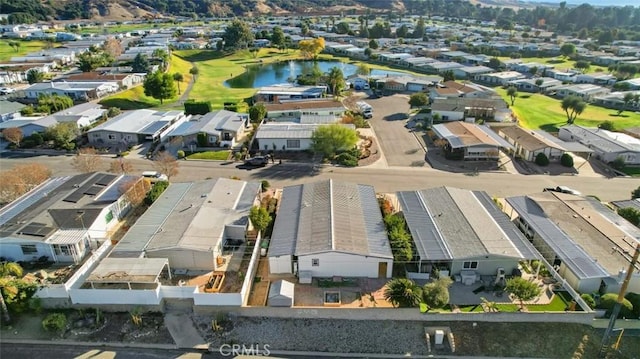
<point>120,10</point>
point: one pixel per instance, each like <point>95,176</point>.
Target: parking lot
<point>398,144</point>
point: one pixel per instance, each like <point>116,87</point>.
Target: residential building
<point>540,84</point>
<point>78,91</point>
<point>124,81</point>
<point>274,94</point>
<point>588,244</point>
<point>468,141</point>
<point>597,78</point>
<point>528,144</point>
<point>616,101</point>
<point>453,89</point>
<point>305,111</point>
<point>286,136</point>
<point>499,78</point>
<point>587,92</point>
<point>82,115</point>
<point>406,83</point>
<point>607,146</point>
<point>469,72</point>
<point>461,108</point>
<point>62,219</point>
<point>191,223</point>
<point>134,127</point>
<point>327,229</point>
<point>222,129</point>
<point>461,233</point>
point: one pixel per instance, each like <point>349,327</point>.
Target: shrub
<point>609,300</point>
<point>113,112</point>
<point>588,298</point>
<point>202,140</point>
<point>566,160</point>
<point>634,299</point>
<point>347,159</point>
<point>192,107</point>
<point>265,185</point>
<point>54,322</point>
<point>155,192</point>
<point>436,294</point>
<point>180,154</point>
<point>542,159</point>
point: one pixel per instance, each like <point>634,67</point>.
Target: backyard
<point>536,111</point>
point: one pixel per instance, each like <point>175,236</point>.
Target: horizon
<point>633,3</point>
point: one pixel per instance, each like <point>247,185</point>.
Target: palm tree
<point>178,78</point>
<point>8,272</point>
<point>512,92</point>
<point>335,79</point>
<point>403,293</point>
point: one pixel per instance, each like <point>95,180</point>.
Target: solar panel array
<point>91,188</point>
<point>37,229</point>
<point>15,208</point>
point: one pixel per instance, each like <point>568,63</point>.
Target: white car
<point>6,90</point>
<point>154,176</point>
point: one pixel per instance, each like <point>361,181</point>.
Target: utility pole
<point>616,309</point>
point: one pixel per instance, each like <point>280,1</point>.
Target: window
<point>315,262</point>
<point>213,139</point>
<point>29,249</point>
<point>111,137</point>
<point>227,136</point>
<point>470,265</point>
<point>293,143</point>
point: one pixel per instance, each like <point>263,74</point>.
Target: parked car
<point>6,90</point>
<point>257,161</point>
<point>154,176</point>
<point>563,189</point>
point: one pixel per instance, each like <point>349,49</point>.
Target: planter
<point>332,299</point>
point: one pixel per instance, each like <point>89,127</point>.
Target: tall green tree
<point>626,100</point>
<point>448,76</point>
<point>34,76</point>
<point>573,106</point>
<point>160,86</point>
<point>178,78</point>
<point>568,49</point>
<point>257,112</point>
<point>162,56</point>
<point>418,99</point>
<point>418,31</point>
<point>522,289</point>
<point>260,218</point>
<point>436,293</point>
<point>330,140</point>
<point>140,64</point>
<point>335,80</point>
<point>238,34</point>
<point>512,92</point>
<point>277,37</point>
<point>363,69</point>
<point>403,293</point>
<point>9,272</point>
<point>63,135</point>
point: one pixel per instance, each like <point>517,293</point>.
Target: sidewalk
<point>183,331</point>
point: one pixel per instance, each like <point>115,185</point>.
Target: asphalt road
<point>383,179</point>
<point>399,146</point>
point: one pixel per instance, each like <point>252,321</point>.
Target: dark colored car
<point>257,161</point>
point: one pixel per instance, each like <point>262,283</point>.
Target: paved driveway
<point>398,144</point>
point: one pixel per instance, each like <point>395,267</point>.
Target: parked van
<point>155,176</point>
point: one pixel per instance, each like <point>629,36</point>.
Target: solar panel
<point>105,180</point>
<point>37,229</point>
<point>74,197</point>
<point>15,208</point>
<point>93,190</point>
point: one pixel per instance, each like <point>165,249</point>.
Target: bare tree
<point>87,160</point>
<point>33,174</point>
<point>113,48</point>
<point>13,135</point>
<point>165,163</point>
<point>12,186</point>
<point>120,166</point>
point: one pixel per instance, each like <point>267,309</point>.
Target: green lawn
<point>558,63</point>
<point>134,98</point>
<point>6,52</point>
<point>210,155</point>
<point>536,111</point>
<point>632,171</point>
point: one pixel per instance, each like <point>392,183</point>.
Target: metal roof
<point>329,216</point>
<point>128,270</point>
<point>285,130</point>
<point>69,236</point>
<point>136,121</point>
<point>575,147</point>
<point>14,208</point>
<point>451,223</point>
<point>603,140</point>
<point>571,254</point>
<point>633,203</point>
<point>462,134</point>
<point>212,123</point>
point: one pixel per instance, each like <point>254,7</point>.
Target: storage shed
<point>281,294</point>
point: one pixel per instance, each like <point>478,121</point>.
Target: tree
<point>120,166</point>
<point>343,27</point>
<point>573,106</point>
<point>178,78</point>
<point>522,289</point>
<point>568,49</point>
<point>277,37</point>
<point>566,160</point>
<point>12,186</point>
<point>135,190</point>
<point>635,193</point>
<point>418,99</point>
<point>140,63</point>
<point>63,135</point>
<point>9,272</point>
<point>582,65</point>
<point>335,80</point>
<point>238,34</point>
<point>87,160</point>
<point>402,31</point>
<point>33,174</point>
<point>13,135</point>
<point>512,92</point>
<point>113,112</point>
<point>160,86</point>
<point>373,44</point>
<point>630,214</point>
<point>626,100</point>
<point>113,48</point>
<point>194,71</point>
<point>89,61</point>
<point>436,293</point>
<point>418,31</point>
<point>163,56</point>
<point>34,76</point>
<point>363,69</point>
<point>330,140</point>
<point>310,49</point>
<point>542,159</point>
<point>402,293</point>
<point>448,76</point>
<point>165,163</point>
<point>257,112</point>
<point>495,63</point>
<point>260,218</point>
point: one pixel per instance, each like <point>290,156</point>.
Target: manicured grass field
<point>536,111</point>
<point>210,155</point>
<point>6,52</point>
<point>134,98</point>
<point>558,63</point>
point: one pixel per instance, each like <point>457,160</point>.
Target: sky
<point>593,2</point>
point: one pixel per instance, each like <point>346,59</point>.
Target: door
<point>382,269</point>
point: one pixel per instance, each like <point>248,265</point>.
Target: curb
<point>90,344</point>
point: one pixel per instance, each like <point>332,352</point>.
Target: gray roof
<point>190,215</point>
<point>450,223</point>
<point>568,146</point>
<point>463,134</point>
<point>276,130</point>
<point>568,251</point>
<point>604,140</point>
<point>329,216</point>
<point>10,107</point>
<point>212,123</point>
<point>281,288</point>
<point>633,203</point>
<point>136,121</point>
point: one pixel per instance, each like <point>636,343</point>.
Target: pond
<point>282,72</point>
